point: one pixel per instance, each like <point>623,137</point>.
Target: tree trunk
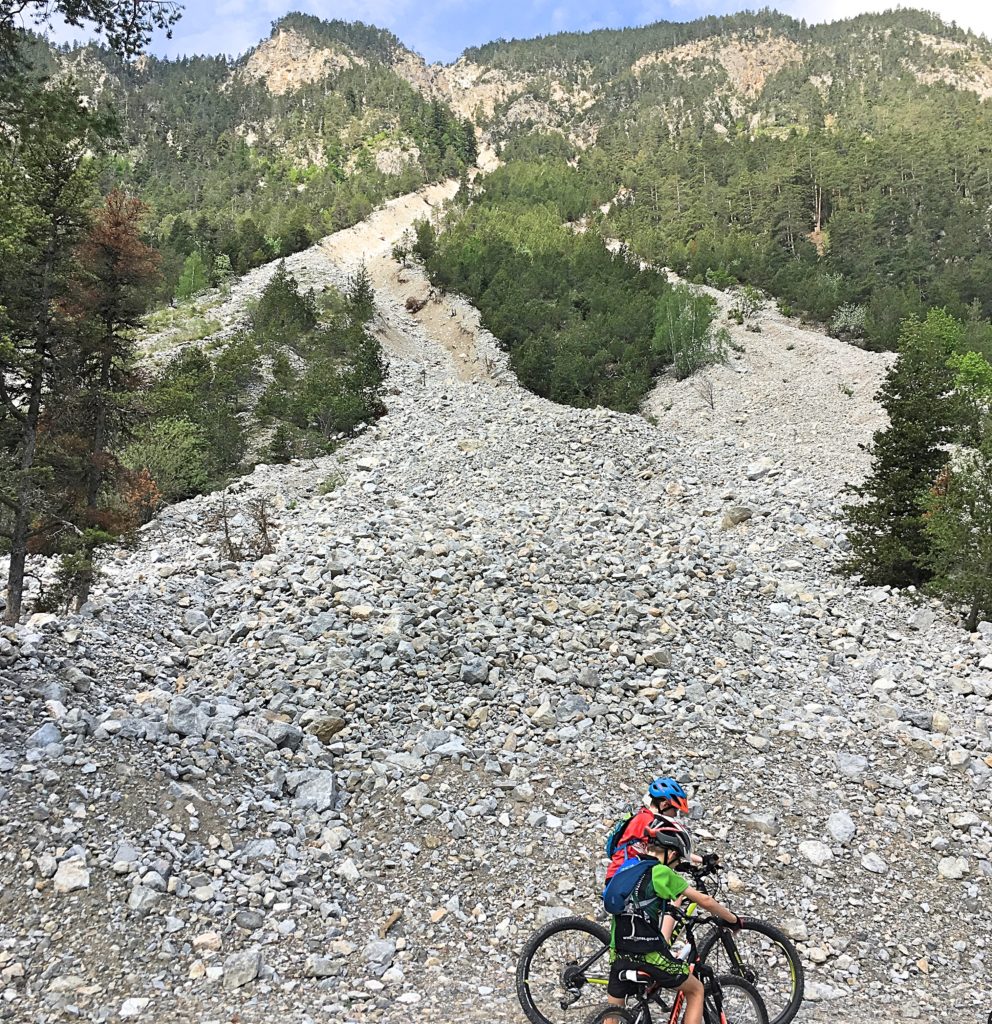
<point>971,623</point>
<point>22,514</point>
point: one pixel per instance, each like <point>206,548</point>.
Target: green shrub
<point>191,388</point>
<point>194,278</point>
<point>716,277</point>
<point>849,322</point>
<point>282,315</point>
<point>748,300</point>
<point>684,331</point>
<point>174,451</point>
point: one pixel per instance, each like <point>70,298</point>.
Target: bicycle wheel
<point>765,956</point>
<point>563,971</point>
<point>741,1002</point>
<point>613,1015</point>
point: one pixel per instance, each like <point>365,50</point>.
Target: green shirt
<point>667,885</point>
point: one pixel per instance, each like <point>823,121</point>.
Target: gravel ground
<point>343,779</point>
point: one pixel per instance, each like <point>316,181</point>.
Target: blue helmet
<point>668,789</point>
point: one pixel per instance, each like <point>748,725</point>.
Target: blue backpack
<point>616,832</point>
<point>620,894</point>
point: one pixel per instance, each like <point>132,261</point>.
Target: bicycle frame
<point>701,970</point>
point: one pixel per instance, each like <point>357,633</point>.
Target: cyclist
<point>637,943</point>
<point>665,797</point>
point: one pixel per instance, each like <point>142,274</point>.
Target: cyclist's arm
<point>708,903</point>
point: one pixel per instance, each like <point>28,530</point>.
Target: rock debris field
<point>342,778</point>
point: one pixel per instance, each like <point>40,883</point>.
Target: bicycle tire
<point>613,1015</point>
<point>541,986</point>
<point>742,1003</point>
<point>782,995</point>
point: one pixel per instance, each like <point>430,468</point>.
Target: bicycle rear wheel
<point>613,1015</point>
<point>765,956</point>
<point>563,970</point>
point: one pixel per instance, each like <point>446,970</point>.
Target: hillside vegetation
<point>242,162</point>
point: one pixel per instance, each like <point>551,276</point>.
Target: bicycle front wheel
<point>563,971</point>
<point>765,956</point>
<point>741,1003</point>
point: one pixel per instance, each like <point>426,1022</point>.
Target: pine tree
<point>886,528</point>
<point>45,189</point>
<point>108,293</point>
<point>360,296</point>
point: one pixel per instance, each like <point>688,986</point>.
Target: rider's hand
<point>711,860</point>
<point>737,924</point>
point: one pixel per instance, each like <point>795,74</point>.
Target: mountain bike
<point>563,968</point>
<point>726,999</point>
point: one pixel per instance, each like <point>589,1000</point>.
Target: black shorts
<point>668,974</point>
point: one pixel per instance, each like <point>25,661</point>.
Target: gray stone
<point>760,468</point>
<point>474,671</point>
<point>379,955</point>
<point>72,874</point>
<point>544,717</point>
<point>195,621</point>
<point>46,736</point>
<point>841,826</point>
<point>326,727</point>
<point>434,738</point>
<point>734,516</point>
<point>249,920</point>
<point>658,658</point>
<point>765,822</point>
<point>545,915</point>
<point>851,766</point>
<point>241,968</point>
<point>259,849</point>
<point>572,705</point>
<point>815,852</point>
<point>142,899</point>
<point>186,718</point>
<point>317,791</point>
<point>320,967</point>
<point>872,862</point>
<point>953,868</point>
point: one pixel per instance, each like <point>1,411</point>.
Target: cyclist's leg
<point>619,987</point>
<point>692,989</point>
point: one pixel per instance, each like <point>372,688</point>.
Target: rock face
<point>386,751</point>
<point>287,61</point>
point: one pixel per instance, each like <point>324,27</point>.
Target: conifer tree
<point>45,189</point>
<point>886,527</point>
<point>108,293</point>
<point>360,296</point>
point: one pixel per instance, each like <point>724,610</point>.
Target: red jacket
<point>634,830</point>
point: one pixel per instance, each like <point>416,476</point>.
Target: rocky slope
<point>341,778</point>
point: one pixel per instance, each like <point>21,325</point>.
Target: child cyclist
<point>637,942</point>
<point>665,797</point>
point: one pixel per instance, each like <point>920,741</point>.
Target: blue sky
<point>441,30</point>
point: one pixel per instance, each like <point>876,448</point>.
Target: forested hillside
<point>238,163</point>
<point>844,168</point>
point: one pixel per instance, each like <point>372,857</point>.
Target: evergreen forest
<point>842,170</point>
